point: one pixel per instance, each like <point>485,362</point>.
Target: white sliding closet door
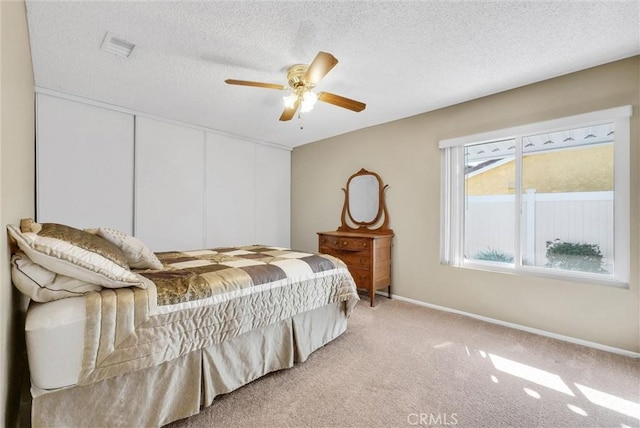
<point>273,196</point>
<point>230,189</point>
<point>169,185</point>
<point>84,165</point>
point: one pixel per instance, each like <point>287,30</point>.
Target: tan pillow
<point>42,285</point>
<point>138,255</point>
<point>65,251</point>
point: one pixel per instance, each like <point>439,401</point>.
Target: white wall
<point>169,183</point>
<point>84,160</point>
<point>273,197</point>
<point>248,190</point>
<point>17,197</point>
<point>185,187</point>
<point>230,217</point>
<point>405,153</point>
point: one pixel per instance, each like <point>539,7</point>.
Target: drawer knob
<point>344,243</point>
<point>364,244</point>
<point>335,242</point>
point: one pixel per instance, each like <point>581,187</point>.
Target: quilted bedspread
<point>204,297</point>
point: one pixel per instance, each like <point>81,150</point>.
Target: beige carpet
<point>402,365</point>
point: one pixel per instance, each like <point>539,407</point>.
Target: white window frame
<point>452,196</point>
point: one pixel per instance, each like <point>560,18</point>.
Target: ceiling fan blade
<point>339,101</point>
<point>319,67</point>
<point>288,113</point>
<point>256,84</point>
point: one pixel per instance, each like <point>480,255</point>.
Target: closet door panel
<point>169,185</point>
<point>230,190</point>
<point>273,196</point>
<point>84,165</point>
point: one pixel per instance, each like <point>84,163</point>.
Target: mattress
<point>55,341</point>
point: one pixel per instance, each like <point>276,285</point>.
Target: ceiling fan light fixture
<point>302,79</point>
<point>308,101</point>
<point>290,100</point>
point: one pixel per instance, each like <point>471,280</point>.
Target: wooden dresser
<point>367,255</point>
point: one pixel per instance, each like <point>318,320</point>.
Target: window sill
<point>546,273</point>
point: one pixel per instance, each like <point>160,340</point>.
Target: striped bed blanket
<point>204,297</point>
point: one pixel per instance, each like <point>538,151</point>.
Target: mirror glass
<point>364,192</point>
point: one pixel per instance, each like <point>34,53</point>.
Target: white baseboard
<point>570,339</point>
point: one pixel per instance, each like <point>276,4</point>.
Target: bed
<point>198,324</point>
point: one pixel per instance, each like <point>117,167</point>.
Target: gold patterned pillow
<point>84,240</point>
<point>77,254</point>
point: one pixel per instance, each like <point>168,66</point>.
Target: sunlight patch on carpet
<point>611,402</point>
<point>532,393</point>
<point>531,374</point>
<point>577,410</point>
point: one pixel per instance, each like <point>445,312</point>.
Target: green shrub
<point>574,256</point>
<point>494,255</point>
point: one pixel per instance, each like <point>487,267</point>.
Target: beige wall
<point>17,173</point>
<point>405,153</point>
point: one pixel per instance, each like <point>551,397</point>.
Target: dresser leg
<point>372,296</point>
<point>389,291</point>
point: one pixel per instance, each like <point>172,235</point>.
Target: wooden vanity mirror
<point>364,240</point>
<point>364,207</point>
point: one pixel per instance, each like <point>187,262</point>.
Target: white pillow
<point>42,285</point>
<point>67,259</point>
<point>138,255</point>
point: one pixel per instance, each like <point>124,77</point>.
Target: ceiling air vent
<point>117,45</point>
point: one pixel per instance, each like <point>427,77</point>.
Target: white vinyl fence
<point>581,217</point>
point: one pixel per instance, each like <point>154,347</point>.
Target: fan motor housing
<point>295,76</point>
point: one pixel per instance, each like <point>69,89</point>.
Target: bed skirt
<point>180,388</point>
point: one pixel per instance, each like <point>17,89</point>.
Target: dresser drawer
<point>344,243</point>
<point>329,241</point>
<point>366,255</point>
<point>354,244</point>
<point>360,259</point>
<point>362,277</point>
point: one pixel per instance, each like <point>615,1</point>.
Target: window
<point>549,198</point>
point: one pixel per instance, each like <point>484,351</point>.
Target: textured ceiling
<point>400,58</point>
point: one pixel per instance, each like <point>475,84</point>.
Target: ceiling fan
<point>302,78</point>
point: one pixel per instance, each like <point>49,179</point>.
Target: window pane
<point>567,200</point>
<point>489,224</point>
